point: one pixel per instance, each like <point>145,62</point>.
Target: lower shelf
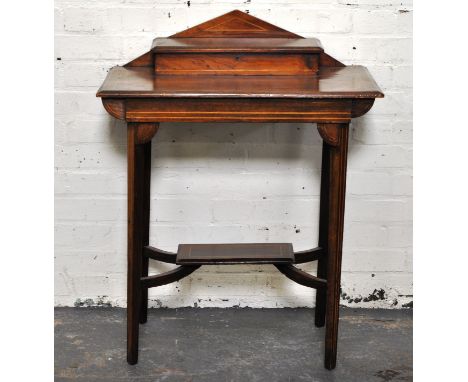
<point>255,253</point>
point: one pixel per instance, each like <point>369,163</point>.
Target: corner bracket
<point>115,107</point>
<point>330,133</point>
<point>144,132</point>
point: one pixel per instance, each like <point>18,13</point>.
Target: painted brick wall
<point>231,182</point>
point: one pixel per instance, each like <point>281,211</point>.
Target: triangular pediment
<point>236,24</point>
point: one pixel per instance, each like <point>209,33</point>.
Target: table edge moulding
<point>237,68</point>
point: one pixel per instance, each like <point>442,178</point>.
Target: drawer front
<point>236,63</point>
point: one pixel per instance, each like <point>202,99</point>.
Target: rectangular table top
<point>330,82</point>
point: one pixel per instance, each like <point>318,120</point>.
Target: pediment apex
<point>236,24</point>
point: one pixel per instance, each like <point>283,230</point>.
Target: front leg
<point>145,227</point>
<point>336,139</point>
<point>321,296</point>
<point>138,137</point>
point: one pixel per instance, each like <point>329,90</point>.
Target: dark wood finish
<point>168,277</point>
<point>146,214</point>
<point>350,82</point>
<point>308,255</point>
<point>237,110</point>
<point>321,296</point>
<point>337,157</point>
<point>236,56</point>
<point>170,257</point>
<point>236,24</point>
<point>159,255</point>
<point>329,133</point>
<point>144,133</point>
<point>245,64</point>
<point>115,107</point>
<point>253,253</point>
<point>361,106</point>
<point>301,277</point>
<point>135,239</point>
<point>327,61</point>
<point>247,70</point>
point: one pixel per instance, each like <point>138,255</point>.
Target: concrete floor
<point>232,345</point>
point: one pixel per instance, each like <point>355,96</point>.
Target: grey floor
<point>232,345</point>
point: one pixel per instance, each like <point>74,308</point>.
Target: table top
<point>329,82</point>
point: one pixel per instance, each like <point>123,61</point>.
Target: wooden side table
<point>242,69</point>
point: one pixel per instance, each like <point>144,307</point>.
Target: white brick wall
<point>231,182</point>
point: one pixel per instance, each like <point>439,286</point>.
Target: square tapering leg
<point>336,139</point>
<point>321,296</point>
<point>139,137</point>
<point>145,225</point>
<point>136,196</point>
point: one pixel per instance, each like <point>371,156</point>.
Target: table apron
<point>238,110</point>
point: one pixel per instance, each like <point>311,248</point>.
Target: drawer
<point>253,64</point>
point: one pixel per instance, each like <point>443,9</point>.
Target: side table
<point>238,68</point>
